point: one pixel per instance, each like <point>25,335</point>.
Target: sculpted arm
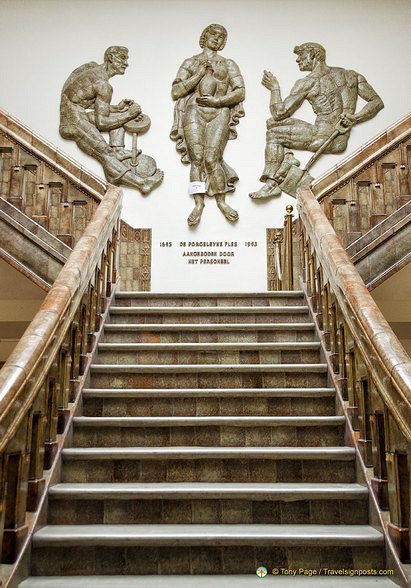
<point>186,81</point>
<point>237,93</point>
<point>281,109</point>
<point>105,118</point>
<point>374,102</point>
<point>373,106</point>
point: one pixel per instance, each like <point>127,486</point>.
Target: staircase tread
<point>197,452</point>
<point>207,309</point>
<point>243,392</point>
<point>272,294</point>
<point>201,581</point>
<point>209,489</point>
<point>190,421</point>
<point>208,533</point>
<point>210,367</point>
<point>196,346</point>
<point>208,326</point>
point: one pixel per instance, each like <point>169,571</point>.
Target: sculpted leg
<point>194,130</point>
<point>92,142</point>
<point>228,212</point>
<point>284,168</point>
<point>216,140</point>
<point>288,134</point>
<point>197,211</point>
<point>274,155</point>
<point>196,153</point>
<point>215,174</point>
<point>118,144</point>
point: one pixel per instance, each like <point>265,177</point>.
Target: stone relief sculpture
<point>209,91</point>
<point>86,113</point>
<point>332,93</point>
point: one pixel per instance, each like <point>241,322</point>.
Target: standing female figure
<point>209,90</point>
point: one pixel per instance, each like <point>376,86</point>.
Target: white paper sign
<point>196,188</point>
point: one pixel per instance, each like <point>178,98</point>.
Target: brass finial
<point>289,208</point>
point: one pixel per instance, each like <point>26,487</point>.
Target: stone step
<point>209,375</point>
<point>257,491</point>
<point>279,298</point>
<point>193,503</point>
<point>202,549</point>
<point>191,353</point>
<point>209,464</point>
<point>187,535</point>
<point>207,333</point>
<point>208,581</point>
<point>209,402</point>
<point>208,314</point>
<point>229,431</point>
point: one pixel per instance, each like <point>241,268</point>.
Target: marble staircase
<point>208,443</point>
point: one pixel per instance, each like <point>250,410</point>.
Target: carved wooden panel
<point>368,186</point>
<point>135,259</point>
<point>44,184</point>
<point>272,273</point>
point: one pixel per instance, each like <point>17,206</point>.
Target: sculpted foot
<point>195,215</point>
<point>228,212</point>
<point>269,189</point>
<point>152,181</point>
<point>122,153</point>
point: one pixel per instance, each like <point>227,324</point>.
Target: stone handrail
<point>370,366</point>
<point>44,373</point>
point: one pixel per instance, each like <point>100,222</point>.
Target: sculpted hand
<point>124,104</point>
<point>346,122</point>
<point>134,110</point>
<point>270,81</point>
<point>205,65</point>
<point>208,101</point>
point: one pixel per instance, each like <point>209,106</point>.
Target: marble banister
<point>40,382</point>
<point>370,367</point>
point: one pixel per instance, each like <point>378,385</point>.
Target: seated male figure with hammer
<point>332,93</point>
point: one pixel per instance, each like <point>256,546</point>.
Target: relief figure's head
<point>116,60</point>
<point>308,55</point>
<point>213,37</point>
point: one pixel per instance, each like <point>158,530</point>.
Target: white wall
<point>393,298</point>
<point>42,41</point>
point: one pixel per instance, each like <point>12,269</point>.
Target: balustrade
<point>40,382</point>
<point>370,367</point>
<point>44,184</point>
<point>369,185</point>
